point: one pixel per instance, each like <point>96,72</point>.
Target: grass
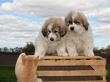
<point>108,74</point>
<point>7,74</point>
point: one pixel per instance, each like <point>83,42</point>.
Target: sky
<point>22,20</point>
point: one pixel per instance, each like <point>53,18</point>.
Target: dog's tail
<point>19,63</point>
<point>19,60</point>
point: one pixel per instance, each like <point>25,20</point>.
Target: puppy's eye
<point>55,31</point>
<point>70,22</point>
<point>49,31</point>
<point>76,22</point>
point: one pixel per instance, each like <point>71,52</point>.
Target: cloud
<point>48,8</point>
<point>104,15</point>
<point>101,35</point>
<point>16,23</point>
<point>14,29</point>
<point>7,6</point>
<point>41,9</point>
<point>19,29</point>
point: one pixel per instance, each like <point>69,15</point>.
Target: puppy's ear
<point>84,20</point>
<point>66,20</point>
<point>44,32</point>
<point>23,59</point>
<point>63,31</point>
<point>85,24</point>
<point>69,17</point>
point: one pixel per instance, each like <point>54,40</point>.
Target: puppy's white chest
<point>78,43</point>
<point>52,47</point>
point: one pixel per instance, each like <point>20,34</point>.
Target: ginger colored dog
<point>25,68</point>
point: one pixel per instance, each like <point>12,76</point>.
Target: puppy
<point>79,36</point>
<point>51,38</point>
<point>25,69</point>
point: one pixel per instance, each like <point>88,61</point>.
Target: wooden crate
<point>72,69</point>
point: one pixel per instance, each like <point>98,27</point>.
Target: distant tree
<point>0,49</point>
<point>108,47</point>
<point>18,50</point>
<point>11,50</point>
<point>28,48</point>
<point>5,49</point>
<point>96,48</point>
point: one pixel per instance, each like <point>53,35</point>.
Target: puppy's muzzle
<point>51,39</point>
<point>71,28</point>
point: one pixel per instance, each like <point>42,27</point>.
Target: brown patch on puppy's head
<point>82,19</point>
<point>68,18</point>
<point>54,29</point>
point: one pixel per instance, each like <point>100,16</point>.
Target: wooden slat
<point>71,57</point>
<point>70,62</point>
<point>99,68</point>
<point>58,68</point>
<point>96,62</point>
<point>71,73</point>
<point>77,81</point>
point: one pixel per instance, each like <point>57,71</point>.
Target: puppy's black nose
<point>52,39</point>
<point>71,28</point>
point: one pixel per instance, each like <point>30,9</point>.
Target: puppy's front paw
<point>65,54</point>
<point>73,54</point>
<point>90,54</point>
<point>62,54</point>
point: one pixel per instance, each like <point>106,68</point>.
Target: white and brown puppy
<point>79,36</point>
<point>51,38</point>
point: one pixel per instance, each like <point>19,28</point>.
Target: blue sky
<point>21,20</point>
<point>3,1</point>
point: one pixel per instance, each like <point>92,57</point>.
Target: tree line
<point>29,48</point>
<point>102,50</point>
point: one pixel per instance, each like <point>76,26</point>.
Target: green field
<point>108,74</point>
<point>7,74</point>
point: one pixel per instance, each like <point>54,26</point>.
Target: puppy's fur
<point>25,69</point>
<point>51,38</point>
<point>79,36</point>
